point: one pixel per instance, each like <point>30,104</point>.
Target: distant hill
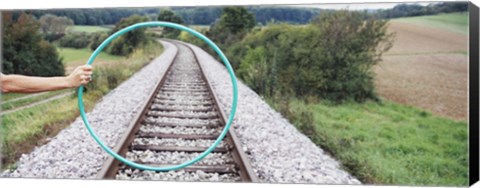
<point>191,15</point>
<point>263,14</point>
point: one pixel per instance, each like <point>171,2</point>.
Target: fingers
<point>86,68</point>
<point>84,82</point>
<point>82,75</point>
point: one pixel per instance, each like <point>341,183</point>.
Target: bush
<point>24,49</point>
<point>96,39</point>
<point>118,47</point>
<point>75,40</point>
<point>129,41</point>
<point>331,58</point>
<point>169,16</point>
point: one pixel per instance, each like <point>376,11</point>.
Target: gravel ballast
<point>278,152</point>
<point>73,153</point>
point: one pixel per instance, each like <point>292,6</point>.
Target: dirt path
<point>37,103</point>
<point>426,68</point>
<point>24,97</point>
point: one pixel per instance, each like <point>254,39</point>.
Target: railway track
<point>180,120</point>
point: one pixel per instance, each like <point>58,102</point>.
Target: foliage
<point>125,44</point>
<point>407,10</point>
<point>169,16</point>
<point>75,40</point>
<point>263,14</point>
<point>54,27</point>
<point>236,20</point>
<point>24,49</point>
<point>234,24</point>
<point>96,39</point>
<point>330,58</point>
<point>97,16</point>
<point>190,15</point>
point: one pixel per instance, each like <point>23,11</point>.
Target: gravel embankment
<point>277,151</point>
<point>73,153</point>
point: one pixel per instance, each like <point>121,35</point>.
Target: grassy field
<point>74,57</point>
<point>27,128</point>
<point>388,143</point>
<point>87,28</point>
<point>456,22</point>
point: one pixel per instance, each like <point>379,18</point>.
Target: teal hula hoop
<point>180,27</point>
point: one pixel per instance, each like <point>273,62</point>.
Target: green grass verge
<point>455,22</point>
<point>73,56</point>
<point>7,105</point>
<point>22,130</point>
<point>88,28</point>
<point>388,143</point>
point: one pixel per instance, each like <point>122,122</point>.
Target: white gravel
<point>176,176</point>
<point>179,130</point>
<point>178,157</point>
<point>73,153</point>
<point>277,151</point>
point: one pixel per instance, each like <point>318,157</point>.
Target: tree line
<point>263,14</point>
<point>406,10</point>
<point>190,15</point>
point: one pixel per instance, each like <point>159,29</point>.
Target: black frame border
<point>474,94</point>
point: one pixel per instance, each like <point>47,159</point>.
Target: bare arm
<point>30,84</point>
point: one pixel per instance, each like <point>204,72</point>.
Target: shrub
<point>75,40</point>
<point>24,49</point>
<point>127,43</point>
<point>96,39</point>
<point>331,58</point>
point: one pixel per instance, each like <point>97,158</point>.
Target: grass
<point>7,105</point>
<point>88,28</point>
<point>25,129</point>
<point>388,143</point>
<point>72,56</point>
<point>455,22</point>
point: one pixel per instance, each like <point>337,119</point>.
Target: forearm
<point>31,84</point>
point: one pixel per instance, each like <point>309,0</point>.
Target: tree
<point>24,49</point>
<point>52,24</point>
<point>237,19</point>
<point>233,25</point>
<point>125,44</point>
<point>169,16</point>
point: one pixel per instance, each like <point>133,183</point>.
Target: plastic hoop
<point>175,26</point>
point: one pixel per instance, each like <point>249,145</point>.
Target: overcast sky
<point>361,6</point>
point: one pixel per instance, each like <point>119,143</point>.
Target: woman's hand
<point>80,76</point>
